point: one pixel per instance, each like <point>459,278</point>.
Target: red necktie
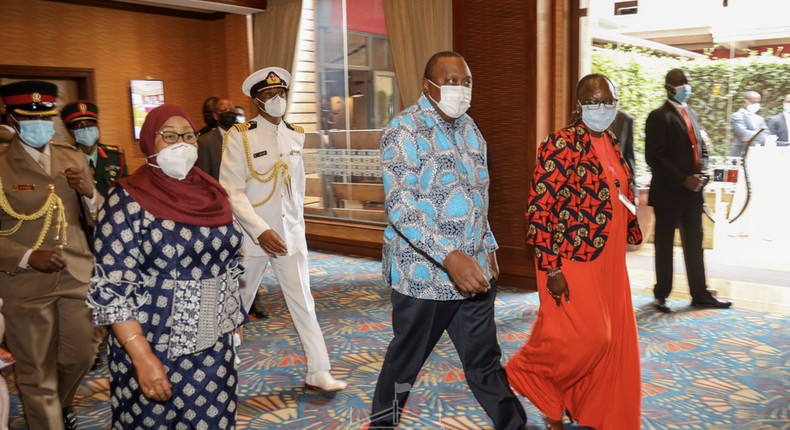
<point>692,135</point>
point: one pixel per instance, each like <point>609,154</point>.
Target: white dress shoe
<point>323,381</point>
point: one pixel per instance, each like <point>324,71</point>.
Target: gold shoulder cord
<point>53,203</point>
<point>280,168</point>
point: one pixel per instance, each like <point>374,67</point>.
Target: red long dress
<point>584,355</point>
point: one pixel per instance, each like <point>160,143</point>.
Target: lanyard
<point>603,150</point>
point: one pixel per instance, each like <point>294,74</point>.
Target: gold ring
<point>152,392</point>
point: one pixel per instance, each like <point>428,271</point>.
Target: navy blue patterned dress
<point>179,282</point>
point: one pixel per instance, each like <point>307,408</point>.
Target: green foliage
<point>718,86</point>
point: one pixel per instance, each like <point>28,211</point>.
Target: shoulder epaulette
<point>112,148</point>
<point>241,127</point>
<point>294,127</point>
<point>65,146</point>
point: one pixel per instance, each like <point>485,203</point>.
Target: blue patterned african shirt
<point>436,185</point>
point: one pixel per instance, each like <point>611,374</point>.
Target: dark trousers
<point>418,325</point>
<point>689,221</point>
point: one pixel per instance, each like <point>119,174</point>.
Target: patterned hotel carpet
<point>701,369</point>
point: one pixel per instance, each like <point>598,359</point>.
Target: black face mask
<point>209,118</point>
<point>227,119</point>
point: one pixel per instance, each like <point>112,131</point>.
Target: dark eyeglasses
<point>172,137</point>
<point>594,104</point>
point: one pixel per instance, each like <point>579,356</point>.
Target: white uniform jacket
<point>268,143</point>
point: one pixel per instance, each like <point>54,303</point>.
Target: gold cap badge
<point>273,79</point>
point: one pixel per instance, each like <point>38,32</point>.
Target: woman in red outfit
<point>583,355</point>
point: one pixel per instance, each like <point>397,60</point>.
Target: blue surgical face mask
<point>36,132</point>
<point>87,136</point>
<point>598,119</point>
<point>683,93</point>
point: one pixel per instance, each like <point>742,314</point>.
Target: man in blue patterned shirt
<point>439,252</point>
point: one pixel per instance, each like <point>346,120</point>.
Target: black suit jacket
<point>210,152</point>
<point>623,129</point>
<point>669,153</point>
<point>778,126</point>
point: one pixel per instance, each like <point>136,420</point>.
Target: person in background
<point>47,201</point>
<point>210,143</point>
<point>677,156</point>
<point>210,157</point>
<point>779,124</point>
<point>166,282</point>
<point>209,106</point>
<point>6,131</point>
<point>241,115</point>
<point>623,129</point>
<point>6,359</point>
<point>439,254</point>
<point>583,355</point>
<point>746,123</point>
<point>263,172</point>
<point>107,163</point>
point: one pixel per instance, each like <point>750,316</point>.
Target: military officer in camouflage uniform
<point>107,162</point>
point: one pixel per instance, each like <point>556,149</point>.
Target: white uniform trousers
<point>293,277</point>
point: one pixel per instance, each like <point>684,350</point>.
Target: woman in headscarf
<point>166,281</point>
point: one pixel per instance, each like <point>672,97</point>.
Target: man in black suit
<point>778,124</point>
<point>208,115</point>
<point>623,129</point>
<point>676,154</point>
<point>210,143</point>
<point>746,124</point>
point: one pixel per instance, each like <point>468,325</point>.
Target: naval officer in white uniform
<point>263,173</point>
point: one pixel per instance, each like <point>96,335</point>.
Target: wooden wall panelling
<point>86,83</point>
<point>195,58</point>
<point>520,56</point>
<point>358,238</point>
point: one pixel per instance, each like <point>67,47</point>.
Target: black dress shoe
<point>258,312</point>
<point>713,303</point>
<point>97,361</point>
<point>662,306</point>
<point>69,419</point>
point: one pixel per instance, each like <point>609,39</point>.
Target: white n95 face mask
<point>455,101</point>
<point>275,106</point>
<point>176,160</point>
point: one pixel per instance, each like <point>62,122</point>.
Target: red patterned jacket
<point>570,205</point>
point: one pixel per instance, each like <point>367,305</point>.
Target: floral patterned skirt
<point>204,390</point>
